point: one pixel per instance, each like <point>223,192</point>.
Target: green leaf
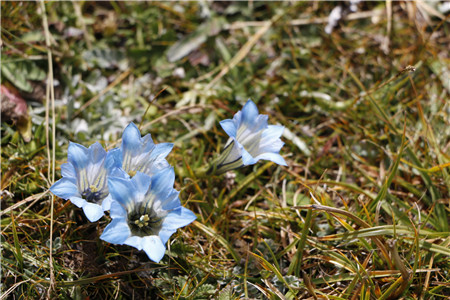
<point>19,72</point>
<point>192,41</point>
<point>105,58</point>
<point>226,293</point>
<point>18,252</point>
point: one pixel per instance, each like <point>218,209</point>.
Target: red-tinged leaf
<point>14,108</point>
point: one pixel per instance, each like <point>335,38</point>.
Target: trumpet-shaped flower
<point>84,180</point>
<point>145,212</point>
<point>251,139</point>
<point>138,154</point>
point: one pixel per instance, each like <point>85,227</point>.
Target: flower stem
<point>203,171</point>
<point>208,169</point>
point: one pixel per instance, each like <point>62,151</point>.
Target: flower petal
<point>249,112</point>
<point>229,127</point>
<point>77,201</point>
<point>106,203</point>
<point>247,158</point>
<point>95,169</point>
<point>260,122</point>
<point>157,159</point>
<point>270,146</point>
<point>272,132</point>
<point>65,188</point>
<point>117,211</point>
<point>162,150</point>
<point>77,155</point>
<point>118,172</point>
<point>171,201</point>
<point>162,183</point>
<point>67,170</point>
<point>142,182</point>
<point>116,232</point>
<point>115,156</point>
<point>92,211</point>
<point>122,190</point>
<point>154,247</point>
<point>148,143</point>
<point>96,153</point>
<point>110,161</point>
<point>165,234</point>
<point>270,140</point>
<point>178,218</point>
<point>131,143</point>
<point>275,157</point>
<point>134,241</point>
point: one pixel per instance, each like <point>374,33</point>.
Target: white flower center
<point>142,221</point>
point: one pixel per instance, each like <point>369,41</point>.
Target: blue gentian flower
<point>145,212</point>
<point>251,139</point>
<point>140,154</point>
<point>84,180</point>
